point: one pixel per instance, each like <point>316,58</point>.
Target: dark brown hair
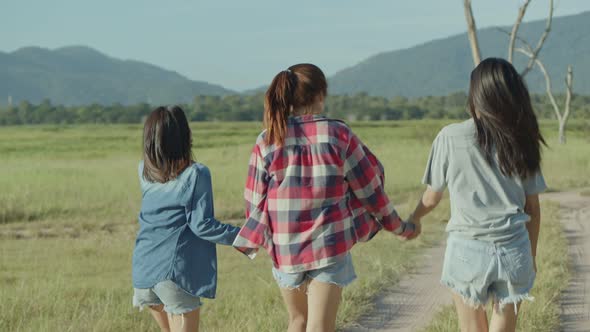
<point>299,86</point>
<point>500,104</point>
<point>167,144</point>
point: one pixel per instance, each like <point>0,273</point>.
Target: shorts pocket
<point>464,264</point>
<point>520,266</point>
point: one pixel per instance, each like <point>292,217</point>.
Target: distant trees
<point>250,108</point>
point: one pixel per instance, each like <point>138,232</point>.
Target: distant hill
<point>442,66</point>
<point>81,75</point>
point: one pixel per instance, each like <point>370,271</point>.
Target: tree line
<point>250,108</point>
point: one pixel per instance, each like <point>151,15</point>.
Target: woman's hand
<point>418,227</point>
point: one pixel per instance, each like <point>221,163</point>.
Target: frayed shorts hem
<point>176,301</point>
<point>500,302</point>
<point>182,311</point>
<point>469,301</point>
<point>340,274</point>
<point>309,278</point>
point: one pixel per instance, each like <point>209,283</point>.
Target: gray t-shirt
<point>485,204</point>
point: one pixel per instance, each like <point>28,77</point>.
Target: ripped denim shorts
<point>340,273</point>
<point>479,271</point>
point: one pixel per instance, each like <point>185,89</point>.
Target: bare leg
<point>188,322</point>
<point>323,301</point>
<point>296,302</point>
<point>505,320</point>
<point>470,319</point>
<point>160,316</point>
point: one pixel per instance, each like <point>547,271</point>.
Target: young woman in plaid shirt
<point>313,190</point>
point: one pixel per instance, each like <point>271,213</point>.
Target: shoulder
<point>340,130</point>
<point>199,170</point>
<point>260,146</point>
<point>193,173</point>
<point>465,128</point>
<point>197,176</point>
<point>261,137</point>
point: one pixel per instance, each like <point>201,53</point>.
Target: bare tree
<point>541,41</point>
<point>514,32</point>
<point>562,116</point>
<point>532,54</point>
<point>472,32</point>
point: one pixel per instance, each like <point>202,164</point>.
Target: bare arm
<point>427,203</point>
<point>533,208</point>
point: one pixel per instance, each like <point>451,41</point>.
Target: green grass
<point>553,275</point>
<point>68,209</point>
<point>83,284</point>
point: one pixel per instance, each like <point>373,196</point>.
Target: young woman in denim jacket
<point>175,261</point>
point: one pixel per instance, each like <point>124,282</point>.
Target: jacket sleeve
<point>200,213</point>
<point>256,230</point>
<point>365,177</point>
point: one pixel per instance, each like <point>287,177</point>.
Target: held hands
<point>417,226</point>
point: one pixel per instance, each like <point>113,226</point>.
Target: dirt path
<point>575,300</point>
<point>411,304</point>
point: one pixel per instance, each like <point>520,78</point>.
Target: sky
<point>242,44</point>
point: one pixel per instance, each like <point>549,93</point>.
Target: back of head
<point>167,144</point>
<point>500,105</point>
<point>300,86</point>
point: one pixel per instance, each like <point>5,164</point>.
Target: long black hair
<point>500,104</point>
<point>167,144</point>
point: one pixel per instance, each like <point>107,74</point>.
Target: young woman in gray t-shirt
<point>491,164</point>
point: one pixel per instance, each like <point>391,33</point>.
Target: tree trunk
<point>472,32</point>
<point>514,32</point>
<point>569,78</point>
<point>562,138</point>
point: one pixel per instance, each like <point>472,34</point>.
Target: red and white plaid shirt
<point>311,199</point>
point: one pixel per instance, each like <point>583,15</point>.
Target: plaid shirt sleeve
<point>255,232</point>
<point>364,175</point>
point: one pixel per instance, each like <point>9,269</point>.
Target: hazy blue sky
<point>241,44</point>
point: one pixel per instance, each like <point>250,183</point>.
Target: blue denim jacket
<point>178,232</point>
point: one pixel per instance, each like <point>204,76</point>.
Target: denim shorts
<point>176,301</point>
<point>340,273</point>
<point>480,271</point>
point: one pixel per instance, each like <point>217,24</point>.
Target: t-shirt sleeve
<point>534,184</point>
<point>436,168</point>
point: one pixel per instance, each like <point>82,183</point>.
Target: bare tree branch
<point>514,32</point>
<point>568,99</point>
<point>472,32</point>
<point>519,38</point>
<point>548,87</point>
<point>541,41</point>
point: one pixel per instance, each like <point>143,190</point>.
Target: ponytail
<point>298,87</point>
<point>277,106</point>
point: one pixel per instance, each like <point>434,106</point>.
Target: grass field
<point>68,209</point>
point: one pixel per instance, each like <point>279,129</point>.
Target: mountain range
<point>440,67</point>
<point>81,75</point>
